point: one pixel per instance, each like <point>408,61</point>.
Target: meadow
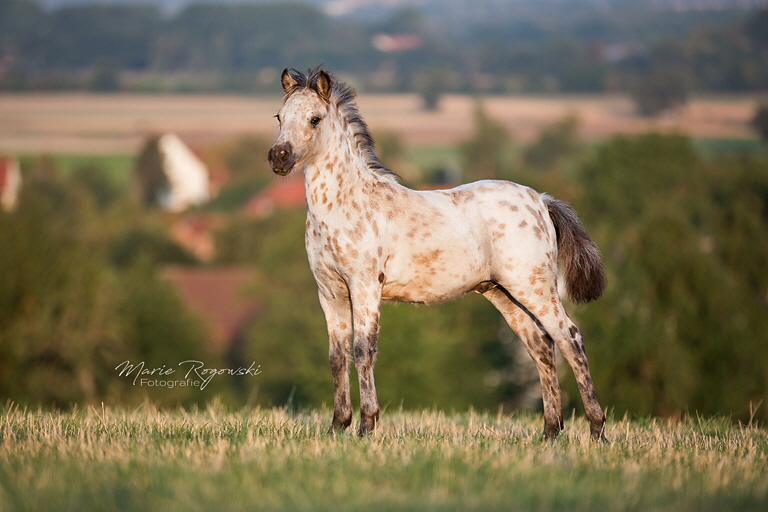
<point>211,458</point>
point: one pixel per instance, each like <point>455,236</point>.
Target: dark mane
<point>343,98</point>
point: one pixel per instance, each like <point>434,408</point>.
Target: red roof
<point>218,295</point>
<point>282,193</point>
<point>5,168</point>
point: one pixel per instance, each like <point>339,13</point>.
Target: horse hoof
<point>367,424</point>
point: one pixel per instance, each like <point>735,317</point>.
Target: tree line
<point>657,55</point>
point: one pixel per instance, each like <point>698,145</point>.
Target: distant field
<point>211,459</point>
<point>116,124</point>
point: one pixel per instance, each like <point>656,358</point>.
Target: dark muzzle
<point>281,158</point>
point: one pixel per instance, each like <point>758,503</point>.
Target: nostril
<point>281,157</point>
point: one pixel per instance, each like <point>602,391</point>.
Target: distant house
<point>10,182</point>
<point>218,296</point>
<point>281,193</point>
<point>193,232</point>
<point>171,175</point>
<point>397,43</point>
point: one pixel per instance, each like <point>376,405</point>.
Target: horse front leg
<point>365,311</point>
<point>338,317</point>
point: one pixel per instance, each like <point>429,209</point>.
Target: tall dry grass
<point>214,459</point>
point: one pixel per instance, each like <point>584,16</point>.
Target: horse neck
<point>340,170</point>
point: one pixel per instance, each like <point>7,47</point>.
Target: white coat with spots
<point>370,239</point>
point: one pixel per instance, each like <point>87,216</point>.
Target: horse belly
<point>433,275</point>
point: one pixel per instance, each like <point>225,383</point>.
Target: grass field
<point>212,459</point>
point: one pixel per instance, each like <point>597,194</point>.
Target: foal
<point>370,239</point>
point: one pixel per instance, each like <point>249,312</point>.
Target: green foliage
<point>760,122</point>
<point>432,85</point>
<point>288,338</point>
<point>68,316</point>
<point>106,77</point>
<point>439,356</point>
<point>237,46</point>
<point>483,154</point>
<point>235,196</point>
<point>556,143</point>
<point>243,158</point>
<point>148,172</point>
<point>136,244</point>
<point>682,325</point>
<point>97,184</point>
<point>390,149</point>
<point>663,88</point>
<point>157,330</point>
<point>242,162</point>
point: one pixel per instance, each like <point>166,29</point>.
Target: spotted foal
<point>370,239</point>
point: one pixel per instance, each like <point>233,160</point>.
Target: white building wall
<point>187,176</point>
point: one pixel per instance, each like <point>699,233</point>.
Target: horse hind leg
<point>541,350</point>
<point>552,324</point>
<point>571,344</point>
<point>554,321</point>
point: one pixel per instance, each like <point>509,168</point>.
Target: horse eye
<point>314,121</point>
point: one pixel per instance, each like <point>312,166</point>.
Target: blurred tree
<point>431,85</point>
<point>78,37</point>
<point>756,29</point>
<point>390,149</point>
<point>97,184</point>
<point>760,122</point>
<point>105,77</point>
<point>483,154</point>
<point>240,164</point>
<point>135,244</point>
<point>242,158</point>
<point>148,172</point>
<point>663,88</point>
<point>663,79</point>
<point>54,319</point>
<point>556,142</point>
<point>225,45</point>
<point>156,329</point>
<point>682,326</point>
<point>68,317</point>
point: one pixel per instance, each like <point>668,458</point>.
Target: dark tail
<point>584,274</point>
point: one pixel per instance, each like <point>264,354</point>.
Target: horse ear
<point>287,81</point>
<point>323,85</point>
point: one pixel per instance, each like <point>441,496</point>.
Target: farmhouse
<point>170,175</point>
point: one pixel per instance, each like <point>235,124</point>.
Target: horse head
<point>301,118</point>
